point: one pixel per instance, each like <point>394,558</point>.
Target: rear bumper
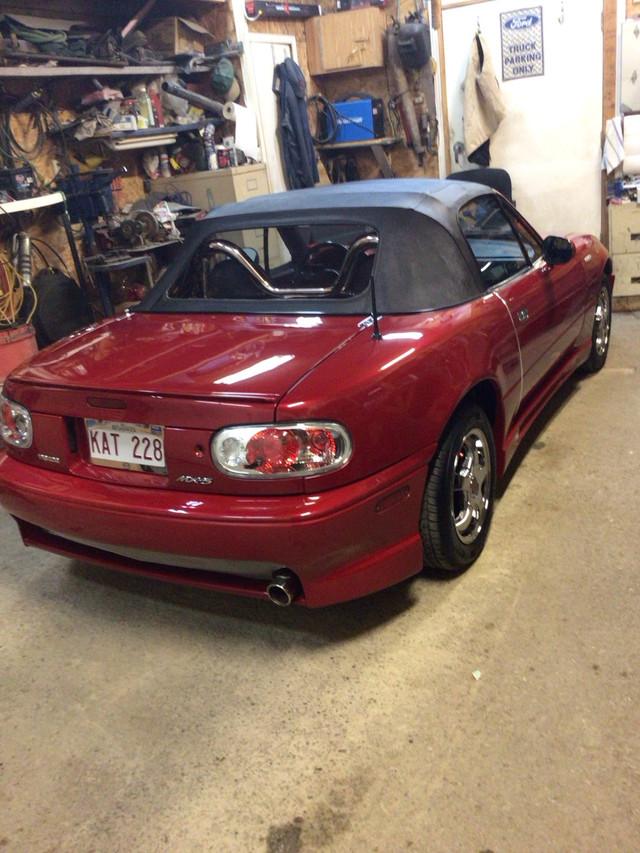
<point>341,544</point>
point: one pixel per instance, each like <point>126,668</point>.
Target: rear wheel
<point>460,493</point>
<point>601,330</point>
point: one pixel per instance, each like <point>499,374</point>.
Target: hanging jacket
<point>296,142</point>
<point>483,105</point>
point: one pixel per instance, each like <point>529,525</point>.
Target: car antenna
<point>374,311</point>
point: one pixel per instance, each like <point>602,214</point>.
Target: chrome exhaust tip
<point>283,588</point>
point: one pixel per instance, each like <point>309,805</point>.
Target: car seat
<point>497,179</point>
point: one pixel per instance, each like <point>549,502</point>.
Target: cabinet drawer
<point>248,184</point>
<point>626,269</point>
<point>624,228</point>
<point>221,186</point>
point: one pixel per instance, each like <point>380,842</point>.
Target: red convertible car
<point>315,400</point>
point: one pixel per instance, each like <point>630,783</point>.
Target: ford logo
<point>522,22</point>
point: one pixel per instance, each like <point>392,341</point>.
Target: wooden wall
<point>64,93</point>
<point>103,13</point>
<point>332,86</point>
<point>610,60</point>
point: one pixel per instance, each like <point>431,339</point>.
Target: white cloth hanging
<point>484,108</point>
<point>613,149</point>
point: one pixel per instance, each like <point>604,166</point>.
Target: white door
<point>263,53</point>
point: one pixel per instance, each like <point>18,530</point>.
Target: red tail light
<point>291,450</point>
<point>272,451</point>
<point>15,424</point>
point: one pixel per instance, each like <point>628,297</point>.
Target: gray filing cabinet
<point>220,186</point>
<point>624,240</point>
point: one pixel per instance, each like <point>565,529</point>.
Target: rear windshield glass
<point>296,262</point>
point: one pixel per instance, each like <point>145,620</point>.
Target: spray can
<point>209,146</point>
<point>165,171</point>
<point>144,105</point>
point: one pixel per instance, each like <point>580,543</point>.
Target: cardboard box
<point>175,36</point>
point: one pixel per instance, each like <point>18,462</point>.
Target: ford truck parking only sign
<point>522,48</point>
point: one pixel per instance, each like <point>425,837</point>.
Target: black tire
<point>601,330</point>
<point>460,493</point>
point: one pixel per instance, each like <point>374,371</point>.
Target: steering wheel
<point>321,265</point>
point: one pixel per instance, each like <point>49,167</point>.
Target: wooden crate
<point>175,36</point>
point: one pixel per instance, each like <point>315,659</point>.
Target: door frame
<point>274,169</point>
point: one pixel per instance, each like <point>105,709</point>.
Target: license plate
<point>135,447</point>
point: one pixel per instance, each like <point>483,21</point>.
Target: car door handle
<point>523,315</point>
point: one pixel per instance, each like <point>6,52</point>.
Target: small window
<point>502,246</point>
<point>531,242</point>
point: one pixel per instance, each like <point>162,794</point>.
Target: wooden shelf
<point>360,143</point>
<point>40,71</point>
<point>100,16</point>
<point>376,147</point>
<point>9,207</point>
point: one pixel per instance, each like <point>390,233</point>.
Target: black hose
<point>25,104</point>
<point>35,240</point>
<point>326,118</point>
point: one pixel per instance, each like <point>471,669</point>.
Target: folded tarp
<point>58,36</point>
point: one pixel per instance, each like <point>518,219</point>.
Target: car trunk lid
<point>187,375</point>
<point>197,356</point>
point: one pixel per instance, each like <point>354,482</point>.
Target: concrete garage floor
<point>497,711</point>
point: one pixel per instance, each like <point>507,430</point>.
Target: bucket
<point>16,346</point>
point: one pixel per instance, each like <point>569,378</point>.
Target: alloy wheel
<point>471,496</point>
<point>602,323</point>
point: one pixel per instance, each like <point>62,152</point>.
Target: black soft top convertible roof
<point>423,262</point>
<point>430,196</point>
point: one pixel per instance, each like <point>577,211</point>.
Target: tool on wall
<point>409,50</point>
<point>17,298</point>
<point>254,9</point>
<point>193,97</point>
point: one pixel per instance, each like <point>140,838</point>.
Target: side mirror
<point>557,250</point>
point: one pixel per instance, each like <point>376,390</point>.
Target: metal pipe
<point>23,264</point>
<point>367,241</point>
<point>193,97</point>
<point>135,22</point>
<point>261,280</point>
<point>284,588</point>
